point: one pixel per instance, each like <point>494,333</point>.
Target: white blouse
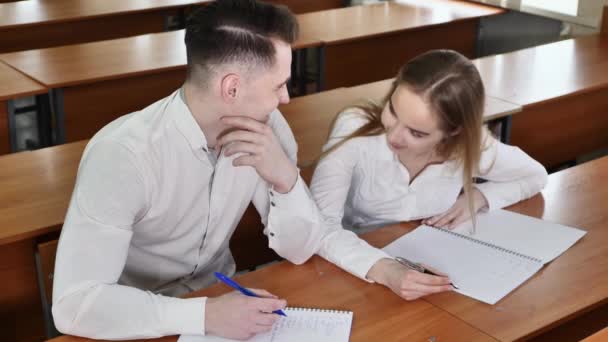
<point>363,184</point>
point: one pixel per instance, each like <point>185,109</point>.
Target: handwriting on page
<point>317,326</point>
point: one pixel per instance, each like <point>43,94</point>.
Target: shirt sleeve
<point>292,221</point>
<point>511,174</point>
<point>330,187</point>
<point>109,198</point>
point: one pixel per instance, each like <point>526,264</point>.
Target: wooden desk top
<point>548,71</point>
<point>36,190</point>
<point>365,21</point>
<point>567,287</point>
<point>378,313</point>
<point>560,291</point>
<point>110,59</point>
<point>310,116</point>
<point>600,336</point>
<point>28,13</point>
<point>84,63</point>
<point>14,84</point>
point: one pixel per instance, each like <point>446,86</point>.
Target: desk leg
<point>43,117</point>
<point>12,128</point>
<point>505,129</point>
<point>321,68</point>
<point>303,71</point>
<point>294,71</point>
<point>56,96</point>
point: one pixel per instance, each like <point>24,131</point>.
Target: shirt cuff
<point>185,316</point>
<point>362,269</point>
<point>296,200</point>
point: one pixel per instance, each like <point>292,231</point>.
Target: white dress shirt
<point>363,184</point>
<point>151,217</point>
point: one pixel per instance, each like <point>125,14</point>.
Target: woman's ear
<point>455,132</point>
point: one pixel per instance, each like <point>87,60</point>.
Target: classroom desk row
<point>554,305</point>
<point>41,182</point>
<point>129,73</point>
<point>38,24</point>
<point>13,85</point>
<point>564,110</point>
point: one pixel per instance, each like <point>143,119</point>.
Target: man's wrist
<point>288,181</point>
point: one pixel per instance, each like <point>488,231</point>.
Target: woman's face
<point>412,130</point>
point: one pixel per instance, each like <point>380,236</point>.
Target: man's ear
<point>230,87</point>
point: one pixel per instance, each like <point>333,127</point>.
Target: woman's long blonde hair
<point>451,85</point>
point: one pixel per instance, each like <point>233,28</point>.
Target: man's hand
<point>240,317</point>
<point>262,151</point>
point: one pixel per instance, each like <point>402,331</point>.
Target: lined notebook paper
<point>300,325</point>
<point>506,249</point>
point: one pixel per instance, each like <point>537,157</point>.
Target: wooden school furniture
<point>36,188</point>
<point>378,313</point>
<point>28,25</point>
<point>310,116</point>
<point>563,89</point>
<point>368,43</point>
<point>567,299</point>
<point>91,84</point>
<point>127,74</point>
<point>14,85</point>
<point>601,336</point>
<point>566,288</point>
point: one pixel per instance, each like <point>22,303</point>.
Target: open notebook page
<point>300,325</point>
<point>523,234</point>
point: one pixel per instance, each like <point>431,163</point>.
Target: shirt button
<point>204,149</point>
<point>271,234</point>
<point>272,204</point>
<point>271,193</point>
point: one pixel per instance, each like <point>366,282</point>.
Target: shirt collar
<point>185,121</point>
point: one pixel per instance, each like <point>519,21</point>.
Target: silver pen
<point>419,268</point>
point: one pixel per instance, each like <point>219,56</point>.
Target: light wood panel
<point>378,313</point>
<point>20,308</point>
<point>36,189</point>
<point>600,336</point>
<point>91,106</point>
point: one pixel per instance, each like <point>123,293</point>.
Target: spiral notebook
<point>300,325</point>
<point>504,251</point>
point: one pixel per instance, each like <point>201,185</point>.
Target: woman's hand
<point>405,282</point>
<point>458,213</point>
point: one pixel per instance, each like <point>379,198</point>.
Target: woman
<point>415,156</point>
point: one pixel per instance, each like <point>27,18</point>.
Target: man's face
<point>262,92</point>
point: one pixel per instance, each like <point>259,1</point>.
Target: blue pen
<point>243,290</point>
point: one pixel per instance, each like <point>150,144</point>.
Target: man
<point>160,191</point>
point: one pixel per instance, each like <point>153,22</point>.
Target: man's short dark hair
<point>236,31</point>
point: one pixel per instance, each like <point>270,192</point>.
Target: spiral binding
<point>342,312</point>
<point>487,244</point>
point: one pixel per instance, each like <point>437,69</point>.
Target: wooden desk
<point>13,85</point>
<point>563,90</point>
<point>601,336</point>
<point>361,43</point>
<point>92,84</point>
<point>565,288</point>
<point>24,23</point>
<point>378,313</point>
<point>311,116</point>
<point>574,285</point>
<point>36,189</point>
